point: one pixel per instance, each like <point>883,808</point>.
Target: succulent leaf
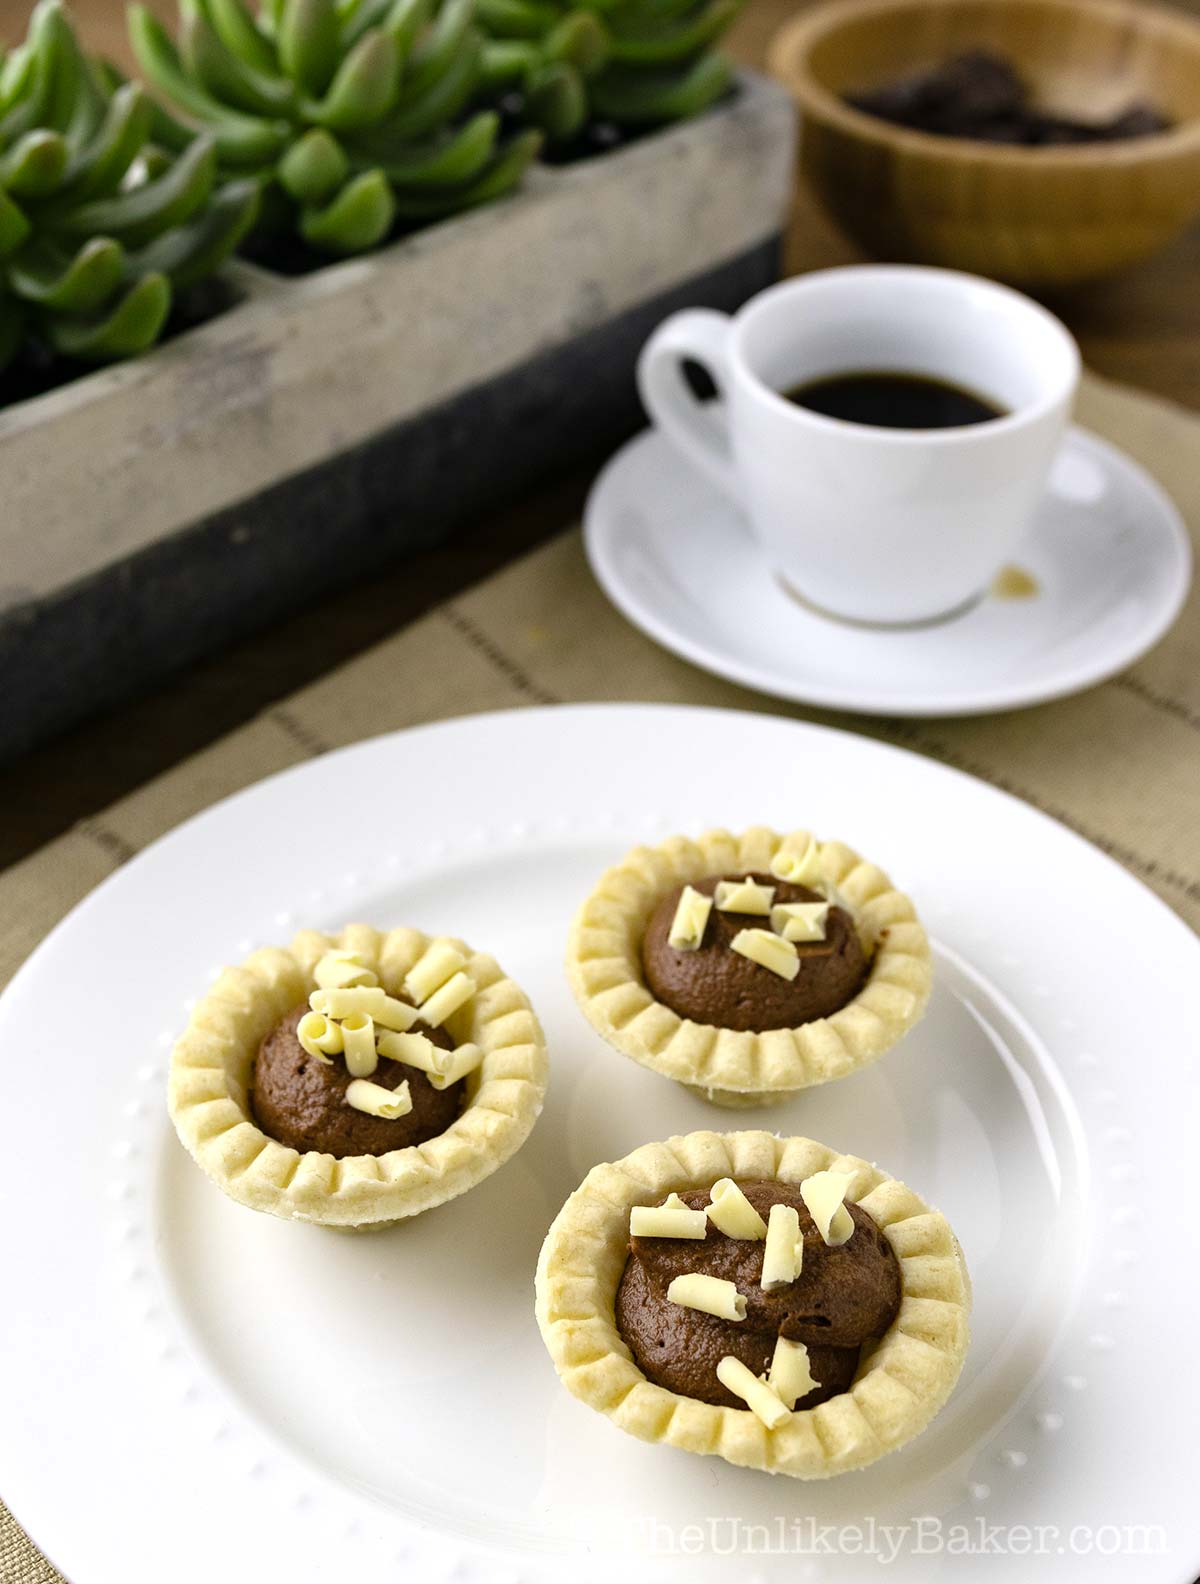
<point>80,99</point>
<point>193,251</point>
<point>364,87</point>
<point>224,75</point>
<point>580,40</point>
<point>528,19</point>
<point>448,160</point>
<point>656,45</point>
<point>441,47</point>
<point>14,76</point>
<point>34,165</point>
<point>245,146</point>
<point>80,96</point>
<point>445,98</point>
<point>501,176</point>
<point>640,98</point>
<point>359,217</point>
<point>132,326</point>
<point>270,18</point>
<point>355,21</point>
<point>314,168</point>
<point>556,100</point>
<point>309,43</point>
<point>99,167</point>
<point>138,216</point>
<point>44,274</point>
<point>238,29</point>
<point>405,20</point>
<point>15,227</point>
<point>32,107</point>
<point>504,63</point>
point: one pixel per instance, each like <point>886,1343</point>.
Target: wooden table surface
<point>1143,329</point>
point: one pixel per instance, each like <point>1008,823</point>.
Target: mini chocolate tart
<point>844,1296</point>
<point>359,1079</point>
<point>811,1368</point>
<point>300,1100</point>
<point>714,984</point>
<point>748,967</point>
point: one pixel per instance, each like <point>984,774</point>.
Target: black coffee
<point>894,401</point>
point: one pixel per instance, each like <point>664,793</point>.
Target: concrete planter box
<point>327,422</point>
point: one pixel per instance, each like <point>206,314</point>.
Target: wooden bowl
<point>1032,216</point>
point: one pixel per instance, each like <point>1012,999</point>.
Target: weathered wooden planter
<point>323,423</point>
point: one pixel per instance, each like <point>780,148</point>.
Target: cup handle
<point>702,335</point>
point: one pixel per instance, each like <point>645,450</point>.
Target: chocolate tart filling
<point>716,985</point>
<point>301,1101</point>
<point>844,1296</point>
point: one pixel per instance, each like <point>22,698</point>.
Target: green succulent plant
<point>663,65</point>
<point>546,54</point>
<point>354,114</point>
<point>97,229</point>
<point>644,62</point>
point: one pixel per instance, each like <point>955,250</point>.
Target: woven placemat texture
<point>1120,764</point>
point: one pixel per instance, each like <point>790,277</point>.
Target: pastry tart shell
<point>902,1381</point>
<point>212,1062</point>
<point>727,1066</point>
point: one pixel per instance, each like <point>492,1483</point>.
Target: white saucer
<point>1108,553</point>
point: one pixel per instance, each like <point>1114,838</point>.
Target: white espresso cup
<point>872,524</point>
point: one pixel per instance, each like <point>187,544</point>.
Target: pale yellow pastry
<point>779,941</point>
<point>900,1379</point>
<point>482,1035</point>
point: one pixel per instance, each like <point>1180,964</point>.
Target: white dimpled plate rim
<point>1108,550</point>
<point>250,1399</point>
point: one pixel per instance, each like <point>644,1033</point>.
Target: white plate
<point>1108,553</point>
<point>195,1392</point>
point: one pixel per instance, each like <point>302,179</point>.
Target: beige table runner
<point>1120,764</point>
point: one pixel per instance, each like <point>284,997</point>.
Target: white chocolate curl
<point>439,962</point>
<point>453,1066</point>
<point>732,1213</point>
<point>377,1101</point>
<point>319,1037</point>
<point>824,1193</point>
<point>339,970</point>
<point>768,951</point>
<point>744,896</point>
<point>414,1050</point>
<point>456,992</point>
<point>667,1220</point>
<point>441,1067</point>
<point>800,921</point>
<point>790,1376</point>
<point>375,1002</point>
<point>783,1257</point>
<point>710,1294</point>
<point>691,920</point>
<point>358,1036</point>
<point>798,862</point>
<point>756,1394</point>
